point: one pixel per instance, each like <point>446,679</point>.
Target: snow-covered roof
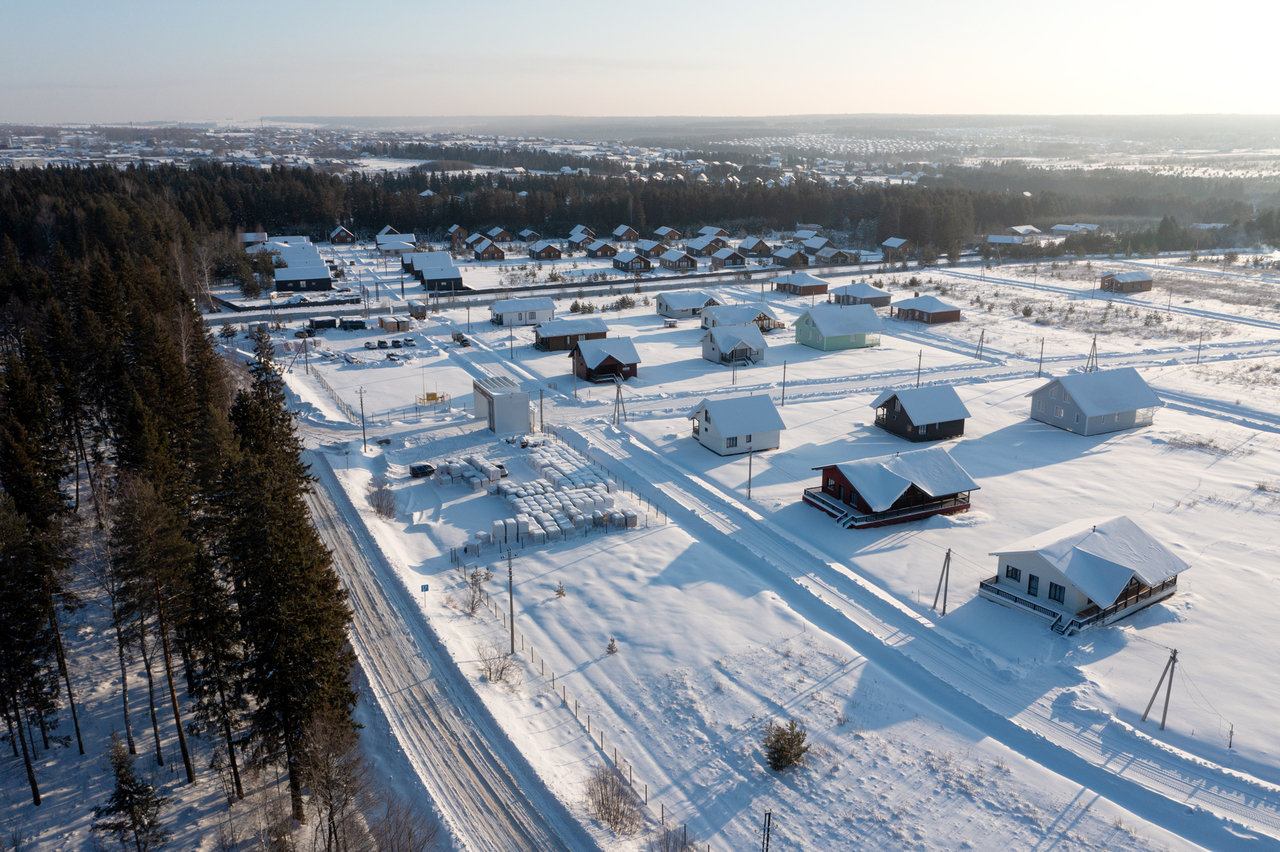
<point>711,231</point>
<point>750,243</point>
<point>894,242</point>
<point>439,273</point>
<point>1106,391</point>
<point>648,245</point>
<point>1024,230</point>
<point>664,230</point>
<point>702,242</point>
<point>741,415</point>
<point>537,303</point>
<point>528,232</point>
<point>542,244</point>
<point>1004,240</point>
<point>622,230</point>
<point>302,273</point>
<point>735,314</point>
<point>338,230</point>
<point>882,480</point>
<point>932,404</point>
<point>574,325</point>
<point>578,229</point>
<point>453,229</point>
<point>1066,229</point>
<point>787,251</point>
<point>729,337</point>
<point>496,232</point>
<point>675,254</point>
<point>387,229</point>
<point>594,352</point>
<point>483,245</point>
<point>687,300</point>
<point>817,243</point>
<point>726,253</point>
<point>599,244</point>
<point>392,239</point>
<point>831,251</point>
<point>430,259</point>
<point>625,257</point>
<point>839,320</point>
<point>928,304</point>
<point>805,235</point>
<point>1134,277</point>
<point>859,290</point>
<point>1101,555</point>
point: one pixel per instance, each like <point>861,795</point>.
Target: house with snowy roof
<point>892,489</point>
<point>651,249</point>
<point>705,246</point>
<point>727,258</point>
<point>678,261</point>
<point>625,234</point>
<point>737,425</point>
<point>684,304</point>
<point>734,344</point>
<point>667,235</point>
<point>859,293</point>
<point>896,247</point>
<point>1023,230</point>
<point>532,311</point>
<point>931,413</point>
<point>804,234</point>
<point>830,256</point>
<point>926,309</point>
<point>791,257</point>
<point>1097,402</point>
<point>544,250</point>
<point>528,235</point>
<point>605,360</point>
<point>1135,281</point>
<point>629,261</point>
<point>340,236</point>
<point>764,316</point>
<point>829,328</point>
<point>1084,573</point>
<point>755,247</point>
<point>487,249</point>
<point>560,335</point>
<point>498,235</point>
<point>600,248</point>
<point>814,245</point>
<point>712,231</point>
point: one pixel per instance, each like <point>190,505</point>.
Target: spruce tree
<point>133,811</point>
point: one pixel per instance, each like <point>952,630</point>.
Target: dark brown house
<point>892,489</point>
<point>457,235</point>
<point>629,261</point>
<point>600,248</point>
<point>487,249</point>
<point>801,284</point>
<point>931,413</point>
<point>544,251</point>
<point>926,309</point>
<point>790,257</point>
<point>1127,282</point>
<point>605,360</point>
<point>560,335</point>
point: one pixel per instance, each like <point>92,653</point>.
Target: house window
<point>1066,397</point>
<point>1014,574</point>
<point>730,443</point>
<point>1077,417</point>
<point>831,484</point>
<point>748,439</point>
<point>920,429</point>
<point>1033,585</point>
<point>1040,405</point>
<point>1057,411</point>
<point>1056,593</point>
<point>1053,392</point>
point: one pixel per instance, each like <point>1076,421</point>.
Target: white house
<point>1084,573</point>
<point>522,311</point>
<point>734,344</point>
<point>684,304</point>
<point>739,425</point>
<point>757,312</point>
<point>1097,402</point>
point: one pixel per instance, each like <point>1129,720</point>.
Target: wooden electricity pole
<point>944,583</point>
<point>511,597</point>
<point>1040,369</point>
<point>919,366</point>
<point>982,338</point>
<point>1168,670</point>
<point>784,384</point>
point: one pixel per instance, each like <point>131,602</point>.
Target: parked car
<point>464,342</point>
<point>410,342</point>
<point>502,469</point>
<point>369,344</point>
<point>301,333</point>
<point>421,469</point>
<point>396,343</point>
<point>382,344</point>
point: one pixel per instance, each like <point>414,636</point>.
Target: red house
<point>604,360</point>
<point>892,489</point>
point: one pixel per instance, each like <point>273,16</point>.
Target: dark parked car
<point>396,343</point>
<point>421,469</point>
<point>382,344</point>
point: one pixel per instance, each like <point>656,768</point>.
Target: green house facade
<point>829,327</point>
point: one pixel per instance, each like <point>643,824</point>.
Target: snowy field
<point>920,721</point>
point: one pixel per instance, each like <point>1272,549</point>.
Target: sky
<point>80,61</point>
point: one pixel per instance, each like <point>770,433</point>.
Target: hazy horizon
<point>86,63</point>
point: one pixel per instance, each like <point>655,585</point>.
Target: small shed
<point>318,323</point>
<point>859,293</point>
<point>1097,402</point>
<point>829,328</point>
<point>926,309</point>
<point>417,309</point>
<point>734,344</point>
<point>393,323</point>
<point>678,261</point>
<point>522,311</point>
<point>499,401</point>
<point>560,335</point>
<point>352,324</point>
<point>605,360</point>
<point>629,261</point>
<point>625,234</point>
<point>1084,573</point>
<point>931,413</point>
<point>1127,282</point>
<point>800,284</point>
<point>600,248</point>
<point>544,250</point>
<point>892,489</point>
<point>737,425</point>
<point>684,304</point>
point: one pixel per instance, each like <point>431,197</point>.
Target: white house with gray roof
<point>684,304</point>
<point>522,311</point>
<point>734,344</point>
<point>1096,403</point>
<point>738,425</point>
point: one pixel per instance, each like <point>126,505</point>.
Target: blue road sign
<point>424,587</point>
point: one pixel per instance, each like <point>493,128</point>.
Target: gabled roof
<point>1101,555</point>
<point>648,245</point>
<point>860,290</point>
<point>676,254</point>
<point>728,337</point>
<point>787,251</point>
<point>1128,277</point>
<point>932,404</point>
<point>726,253</point>
<point>496,231</point>
<point>621,230</point>
<point>594,352</point>
<point>711,231</point>
<point>628,256</point>
<point>928,304</point>
<point>800,279</point>
<point>817,243</point>
<point>455,228</point>
<point>599,244</point>
<point>543,244</point>
<point>838,320</point>
<point>735,314</point>
<point>805,235</point>
<point>537,303</point>
<point>894,242</point>
<point>440,273</point>
<point>687,299</point>
<point>702,242</point>
<point>338,230</point>
<point>574,325</point>
<point>1024,230</point>
<point>742,415</point>
<point>664,230</point>
<point>528,232</point>
<point>750,243</point>
<point>578,229</point>
<point>386,230</point>
<point>882,480</point>
<point>1106,391</point>
<point>483,245</point>
<point>430,259</point>
<point>831,251</point>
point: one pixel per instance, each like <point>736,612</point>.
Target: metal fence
<point>342,406</point>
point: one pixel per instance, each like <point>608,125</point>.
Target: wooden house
<point>896,247</point>
<point>830,328</point>
<point>303,277</point>
<point>727,258</point>
<point>528,235</point>
<point>712,231</point>
<point>762,315</point>
<point>629,261</point>
<point>652,249</point>
<point>340,236</point>
<point>1097,402</point>
<point>892,489</point>
<point>734,344</point>
<point>667,235</point>
<point>498,235</point>
<point>487,249</point>
<point>560,335</point>
<point>926,309</point>
<point>684,304</point>
<point>544,250</point>
<point>755,247</point>
<point>1084,573</point>
<point>600,248</point>
<point>1127,282</point>
<point>533,311</point>
<point>625,234</point>
<point>830,256</point>
<point>604,360</point>
<point>859,293</point>
<point>790,257</point>
<point>583,229</point>
<point>814,245</point>
<point>737,425</point>
<point>580,241</point>
<point>457,235</point>
<point>800,284</point>
<point>705,246</point>
<point>678,261</point>
<point>931,413</point>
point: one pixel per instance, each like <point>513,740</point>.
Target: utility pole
<point>468,316</point>
<point>784,384</point>
<point>364,438</point>
<point>981,339</point>
<point>919,367</point>
<point>1168,670</point>
<point>944,582</point>
<point>751,454</point>
<point>1091,365</point>
<point>764,830</point>
<point>1199,348</point>
<point>511,597</point>
<point>511,343</point>
<point>540,410</point>
<point>1040,368</point>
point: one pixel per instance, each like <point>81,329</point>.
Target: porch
<point>1131,601</point>
<point>850,518</point>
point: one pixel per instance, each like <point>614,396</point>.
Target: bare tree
<point>672,839</point>
<point>334,771</point>
<point>382,498</point>
<point>496,665</point>
<point>474,597</point>
<point>401,826</point>
<point>612,801</point>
